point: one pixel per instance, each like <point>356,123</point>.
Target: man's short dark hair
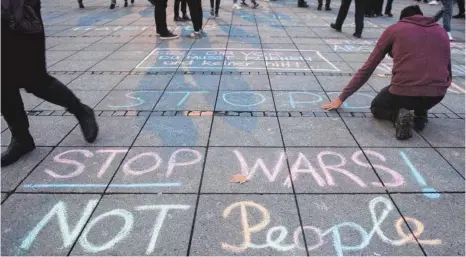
<point>411,11</point>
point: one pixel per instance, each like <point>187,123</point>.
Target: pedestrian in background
<point>214,7</point>
<point>184,16</point>
<point>460,14</point>
<point>160,17</point>
<point>445,13</point>
<point>388,8</point>
<point>24,66</point>
<point>358,16</point>
<point>327,5</point>
<point>195,8</point>
<point>113,3</point>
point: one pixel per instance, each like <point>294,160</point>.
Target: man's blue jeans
<point>446,13</point>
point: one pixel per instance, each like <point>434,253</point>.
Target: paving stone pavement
<point>179,118</point>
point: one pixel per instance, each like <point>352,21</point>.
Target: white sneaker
<point>449,36</point>
<point>433,2</point>
<point>236,6</point>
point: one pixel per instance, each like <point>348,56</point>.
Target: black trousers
<point>386,105</point>
<point>358,15</point>
<point>24,66</point>
<point>215,5</point>
<point>460,5</point>
<point>327,3</point>
<point>177,7</point>
<point>195,8</point>
<point>160,15</point>
<point>388,7</point>
<point>378,6</point>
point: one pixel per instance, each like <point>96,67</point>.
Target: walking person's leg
<point>378,7</point>
<point>319,4</point>
<point>388,8</point>
<point>254,4</point>
<point>460,14</point>
<point>327,5</point>
<point>217,7</point>
<point>160,16</point>
<point>112,4</point>
<point>176,11</point>
<point>342,13</point>
<point>196,17</point>
<point>359,17</point>
<point>184,11</point>
<point>80,3</point>
<point>212,8</point>
<point>448,7</point>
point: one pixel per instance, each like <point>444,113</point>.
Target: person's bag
<point>21,16</point>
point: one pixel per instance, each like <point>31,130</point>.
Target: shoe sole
<point>403,125</point>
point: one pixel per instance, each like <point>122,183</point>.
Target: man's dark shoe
<point>327,8</point>
<point>178,19</point>
<point>333,26</point>
<point>319,8</point>
<point>357,35</point>
<point>112,6</point>
<point>88,123</point>
<point>132,1</point>
<point>126,3</point>
<point>17,149</point>
<point>169,35</point>
<point>212,13</point>
<point>389,14</point>
<point>303,4</point>
<point>81,5</point>
<point>459,16</point>
<point>403,124</point>
<point>244,4</point>
<point>420,122</point>
<point>216,15</point>
<point>186,18</point>
<point>255,5</point>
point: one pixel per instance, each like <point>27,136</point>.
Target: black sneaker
<point>178,19</point>
<point>459,16</point>
<point>169,35</point>
<point>81,5</point>
<point>212,13</point>
<point>244,4</point>
<point>112,6</point>
<point>17,149</point>
<point>303,4</point>
<point>333,26</point>
<point>420,122</point>
<point>216,15</point>
<point>126,3</point>
<point>328,8</point>
<point>88,124</point>
<point>255,6</point>
<point>403,124</point>
<point>389,14</point>
<point>319,8</point>
<point>195,35</point>
<point>357,35</point>
<point>186,18</point>
<point>132,1</point>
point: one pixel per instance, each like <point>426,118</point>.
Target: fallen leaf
<point>238,178</point>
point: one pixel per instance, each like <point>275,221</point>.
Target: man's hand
<point>333,105</point>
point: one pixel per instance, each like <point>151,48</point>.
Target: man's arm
<point>383,46</point>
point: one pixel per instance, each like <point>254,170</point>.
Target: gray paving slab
<point>337,83</point>
<point>141,225</point>
<point>95,82</point>
<point>454,102</point>
<point>245,101</point>
<point>160,170</point>
<point>146,82</point>
<point>194,82</point>
<point>140,100</point>
<point>380,133</point>
<point>187,100</point>
<point>78,170</point>
<point>245,131</point>
<point>310,131</point>
<point>90,98</point>
<point>295,83</point>
<point>112,65</point>
<point>175,131</point>
<point>414,170</point>
<point>89,55</point>
<point>35,231</point>
<point>3,124</point>
<point>30,101</point>
<point>4,196</point>
<point>454,156</point>
<point>444,132</point>
<point>244,82</point>
<point>324,216</point>
<point>13,174</point>
<point>46,131</point>
<point>219,225</point>
<point>439,219</point>
<point>73,65</point>
<point>67,78</point>
<point>331,170</point>
<point>309,101</point>
<point>113,131</point>
<point>265,168</point>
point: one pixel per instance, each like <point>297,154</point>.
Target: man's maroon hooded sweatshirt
<point>421,59</point>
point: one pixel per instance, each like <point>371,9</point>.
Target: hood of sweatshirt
<point>420,20</point>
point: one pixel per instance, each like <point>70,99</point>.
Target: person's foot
<point>178,19</point>
<point>357,35</point>
<point>450,36</point>
<point>244,4</point>
<point>433,2</point>
<point>378,15</point>
<point>319,8</point>
<point>212,13</point>
<point>327,8</point>
<point>420,122</point>
<point>126,4</point>
<point>112,6</point>
<point>333,26</point>
<point>403,124</point>
<point>88,123</point>
<point>459,16</point>
<point>255,5</point>
<point>236,6</point>
<point>303,4</point>
<point>195,35</point>
<point>186,18</point>
<point>216,15</point>
<point>425,1</point>
<point>389,14</point>
<point>368,15</point>
<point>169,35</point>
<point>17,149</point>
<point>132,1</point>
<point>81,5</point>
